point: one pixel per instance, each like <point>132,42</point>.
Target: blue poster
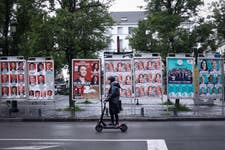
<point>180,77</point>
<point>210,77</point>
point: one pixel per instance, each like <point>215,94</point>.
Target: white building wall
<point>121,30</point>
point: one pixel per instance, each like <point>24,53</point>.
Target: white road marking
<point>29,147</point>
<point>152,144</point>
<point>156,145</point>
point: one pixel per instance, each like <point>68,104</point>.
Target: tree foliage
<point>58,28</point>
<point>164,31</point>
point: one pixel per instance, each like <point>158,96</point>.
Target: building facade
<point>125,22</point>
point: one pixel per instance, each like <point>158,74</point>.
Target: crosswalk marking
<point>152,144</point>
<point>156,145</point>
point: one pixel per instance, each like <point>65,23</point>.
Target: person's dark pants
<point>113,117</point>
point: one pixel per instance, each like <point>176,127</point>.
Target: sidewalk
<point>147,109</point>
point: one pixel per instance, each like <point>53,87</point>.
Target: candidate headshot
<point>14,91</point>
<point>32,66</point>
<point>49,93</point>
<point>21,78</point>
<point>95,67</point>
<point>5,78</point>
<point>12,66</point>
<point>37,94</point>
<point>4,67</point>
<point>41,79</point>
<point>49,66</point>
<point>82,73</point>
<point>13,78</point>
<point>40,67</point>
<point>32,80</point>
<point>22,90</point>
<point>5,91</point>
<point>20,66</point>
<point>31,93</point>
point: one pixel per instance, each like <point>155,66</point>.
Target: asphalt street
<point>193,135</point>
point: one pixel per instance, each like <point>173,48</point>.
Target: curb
<point>124,119</point>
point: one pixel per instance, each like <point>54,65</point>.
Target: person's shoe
<point>117,125</point>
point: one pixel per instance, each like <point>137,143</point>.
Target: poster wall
<point>41,79</point>
<point>210,77</point>
<point>86,78</point>
<point>122,70</point>
<point>180,77</point>
<point>148,77</point>
<point>12,78</point>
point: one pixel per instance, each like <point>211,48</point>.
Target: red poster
<point>86,78</point>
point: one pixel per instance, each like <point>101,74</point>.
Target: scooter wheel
<point>98,128</point>
<point>123,127</point>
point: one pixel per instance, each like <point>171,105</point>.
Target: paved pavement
<point>205,135</point>
<point>143,109</point>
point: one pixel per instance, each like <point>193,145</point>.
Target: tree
<point>219,16</point>
<point>165,33</point>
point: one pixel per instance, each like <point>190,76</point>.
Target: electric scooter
<point>102,125</point>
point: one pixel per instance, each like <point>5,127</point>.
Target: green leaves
<point>165,33</point>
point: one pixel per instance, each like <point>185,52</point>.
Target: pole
<point>71,102</point>
<point>118,44</point>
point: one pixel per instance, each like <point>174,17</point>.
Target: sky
<point>127,5</point>
<point>133,5</point>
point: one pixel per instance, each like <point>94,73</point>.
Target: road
<point>196,135</point>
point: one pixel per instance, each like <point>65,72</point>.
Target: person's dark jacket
<point>113,98</point>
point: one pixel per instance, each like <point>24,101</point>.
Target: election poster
<point>12,78</point>
<point>121,69</point>
<point>210,77</point>
<point>86,78</point>
<point>180,77</point>
<point>148,77</point>
<point>41,79</point>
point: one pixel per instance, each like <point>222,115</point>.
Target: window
<point>121,44</point>
<point>119,30</point>
<point>130,30</point>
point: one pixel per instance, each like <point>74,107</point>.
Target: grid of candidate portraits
<point>21,79</point>
<point>86,78</point>
<point>141,76</point>
<point>210,77</point>
<point>13,75</point>
<point>121,69</point>
<point>41,79</point>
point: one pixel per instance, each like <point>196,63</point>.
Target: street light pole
<point>13,24</point>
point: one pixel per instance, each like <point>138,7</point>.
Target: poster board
<point>210,78</point>
<point>121,69</point>
<point>180,77</point>
<point>40,79</point>
<point>148,76</point>
<point>86,81</point>
<point>13,78</point>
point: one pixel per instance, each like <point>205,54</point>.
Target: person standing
<point>113,99</point>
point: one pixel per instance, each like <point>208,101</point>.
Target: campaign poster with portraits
<point>121,69</point>
<point>86,78</point>
<point>210,77</point>
<point>148,77</point>
<point>41,79</point>
<point>13,75</point>
<point>180,82</point>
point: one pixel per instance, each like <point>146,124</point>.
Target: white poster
<point>13,78</point>
<point>121,69</point>
<point>148,77</point>
<point>41,79</point>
